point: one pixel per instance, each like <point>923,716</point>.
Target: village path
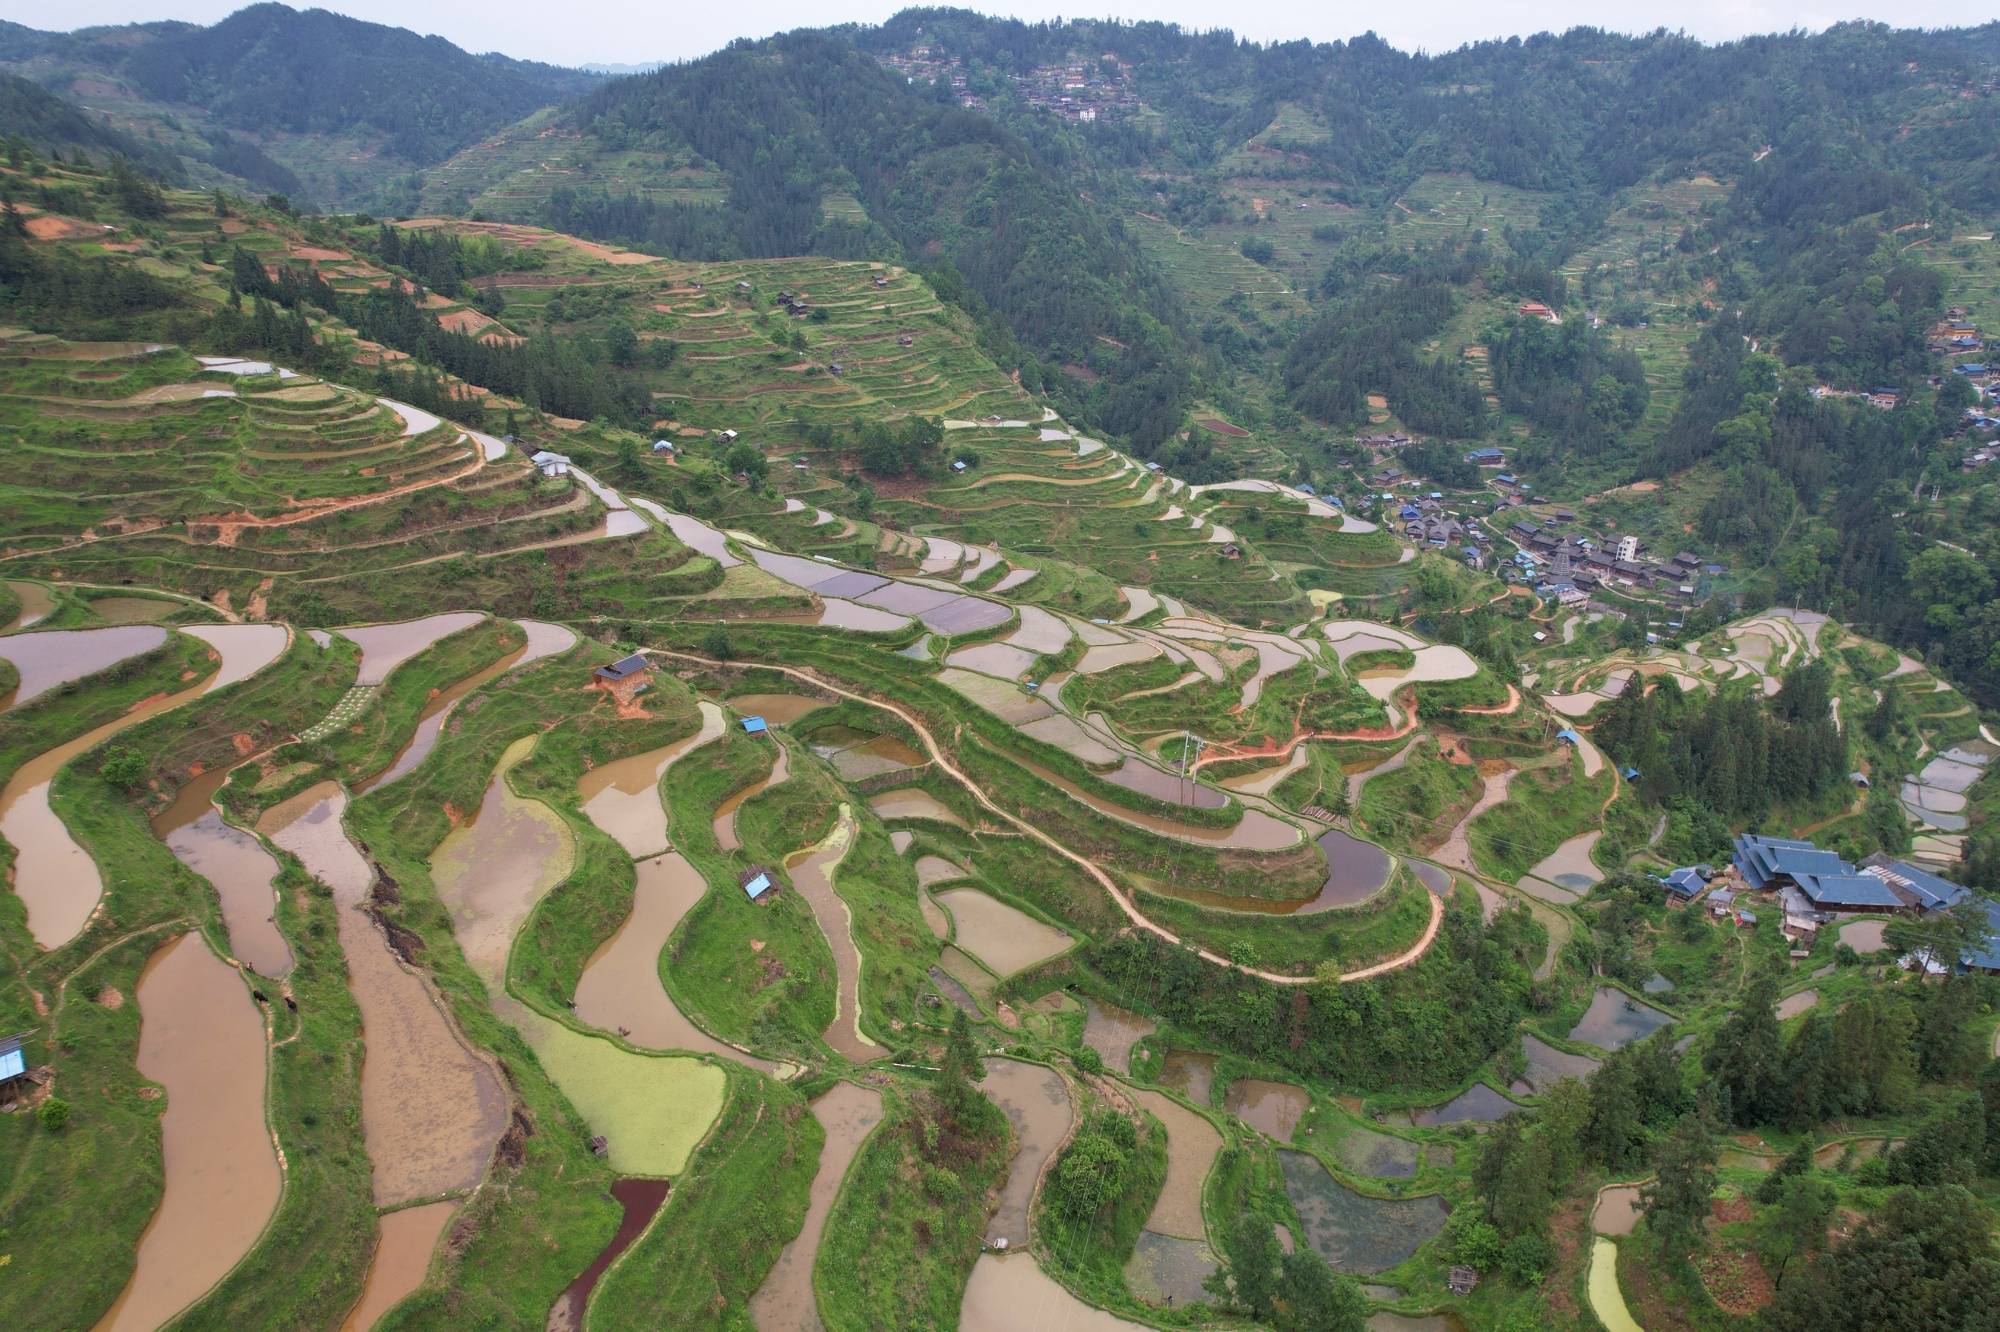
<point>1103,880</point>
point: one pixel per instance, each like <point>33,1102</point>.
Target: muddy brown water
<point>131,610</point>
<point>57,880</point>
<point>784,1303</point>
<point>1037,1103</point>
<point>811,873</point>
<point>1617,1210</point>
<point>620,989</point>
<point>384,647</point>
<point>1003,937</point>
<point>1865,936</point>
<point>1192,1144</point>
<point>623,797</point>
<point>777,709</point>
<point>1191,1073</point>
<point>36,603</point>
<point>910,803</point>
<point>491,874</point>
<point>883,754</point>
<point>242,873</point>
<point>431,1110</point>
<point>1274,1108</point>
<point>50,658</point>
<point>404,1241</point>
<point>725,813</point>
<point>431,719</point>
<point>1011,1293</point>
<point>202,1039</point>
<point>1112,1032</point>
<point>642,1200</point>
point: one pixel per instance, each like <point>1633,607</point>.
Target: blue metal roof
<point>1935,893</point>
<point>1569,737</point>
<point>623,667</point>
<point>1848,890</point>
<point>755,725</point>
<point>13,1063</point>
<point>1685,882</point>
<point>757,886</point>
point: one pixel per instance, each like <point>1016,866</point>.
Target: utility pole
<point>1188,741</point>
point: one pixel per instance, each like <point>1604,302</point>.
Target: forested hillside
<point>269,81</point>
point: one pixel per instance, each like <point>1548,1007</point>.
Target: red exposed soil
<point>1224,428</point>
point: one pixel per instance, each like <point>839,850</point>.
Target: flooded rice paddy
<point>1356,1234</point>
<point>1547,1066</point>
<point>910,803</point>
<point>1615,1020</point>
<point>36,603</point>
<point>405,1240</point>
<point>1136,775</point>
<point>1005,938</point>
<point>777,709</point>
<point>623,797</point>
<point>1168,1269</point>
<point>1477,1104</point>
<point>784,1303</point>
<point>245,649</point>
<point>1037,1103</point>
<point>431,1110</point>
<point>491,873</point>
<point>242,873</point>
<point>202,1039</point>
<point>130,610</point>
<point>1192,1145</point>
<point>52,658</point>
<point>1273,1108</point>
<point>56,879</point>
<point>1607,1301</point>
<point>384,647</point>
<point>1794,1004</point>
<point>620,989</point>
<point>1617,1210</point>
<point>1191,1073</point>
<point>1112,1032</point>
<point>641,1200</point>
<point>812,878</point>
<point>1011,1293</point>
<point>1367,1152</point>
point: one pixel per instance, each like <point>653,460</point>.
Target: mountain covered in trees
<point>268,74</point>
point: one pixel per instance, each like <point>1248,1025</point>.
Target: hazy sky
<point>618,32</point>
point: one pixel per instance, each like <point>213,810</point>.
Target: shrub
<point>53,1114</point>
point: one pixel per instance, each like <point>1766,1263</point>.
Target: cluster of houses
<point>1571,568</point>
<point>1077,90</point>
<point>1814,887</point>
